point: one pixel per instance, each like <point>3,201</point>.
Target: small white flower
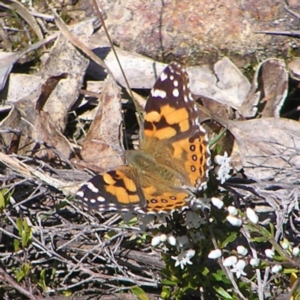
<point>163,238</point>
<point>223,174</point>
<point>296,251</point>
<point>238,269</point>
<point>275,269</point>
<point>193,220</point>
<point>145,220</point>
<point>254,262</point>
<point>251,215</point>
<point>196,236</point>
<point>214,254</point>
<point>217,202</point>
<point>200,203</point>
<point>161,218</point>
<point>171,240</point>
<point>222,159</point>
<point>285,244</point>
<point>230,261</point>
<point>234,221</point>
<point>184,258</point>
<point>224,169</point>
<point>182,241</point>
<point>155,241</point>
<point>242,250</point>
<point>269,253</point>
<point>232,210</point>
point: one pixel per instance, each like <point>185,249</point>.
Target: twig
<point>18,287</point>
<point>291,33</point>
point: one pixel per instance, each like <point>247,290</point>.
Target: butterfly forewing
<point>171,112</point>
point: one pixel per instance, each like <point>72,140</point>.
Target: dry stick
<point>225,269</point>
<point>292,12</point>
<point>260,289</point>
<point>292,33</point>
<point>18,287</point>
<point>30,172</point>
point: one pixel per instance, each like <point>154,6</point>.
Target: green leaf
<point>223,293</point>
<point>139,293</point>
<point>290,271</point>
<point>166,292</point>
<point>20,275</point>
<point>67,293</point>
<point>272,230</point>
<point>216,276</point>
<point>217,138</point>
<point>26,234</point>
<point>23,271</point>
<point>168,282</point>
<point>231,238</point>
<point>4,198</point>
<point>42,281</point>
<point>2,201</point>
<point>205,271</point>
<point>19,226</point>
<point>16,245</point>
<point>226,280</point>
<point>279,258</point>
<point>259,239</point>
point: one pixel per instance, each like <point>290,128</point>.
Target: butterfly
<point>172,162</point>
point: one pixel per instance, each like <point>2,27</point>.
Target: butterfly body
<point>173,159</point>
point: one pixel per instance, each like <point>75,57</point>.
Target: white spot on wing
<point>90,186</point>
<point>175,82</point>
<point>158,93</point>
<point>176,93</point>
<point>80,194</point>
<point>163,76</point>
<point>100,199</point>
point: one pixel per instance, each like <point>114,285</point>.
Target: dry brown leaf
<point>47,89</point>
<point>7,60</point>
<point>63,59</point>
<point>217,111</point>
<point>56,142</point>
<point>101,149</point>
<point>269,89</point>
<point>21,85</point>
<point>274,78</point>
<point>269,148</point>
<point>227,86</point>
<point>294,68</point>
<point>231,81</point>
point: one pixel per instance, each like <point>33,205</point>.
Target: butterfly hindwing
<point>115,190</point>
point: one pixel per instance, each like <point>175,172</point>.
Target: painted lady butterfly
<point>172,163</point>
